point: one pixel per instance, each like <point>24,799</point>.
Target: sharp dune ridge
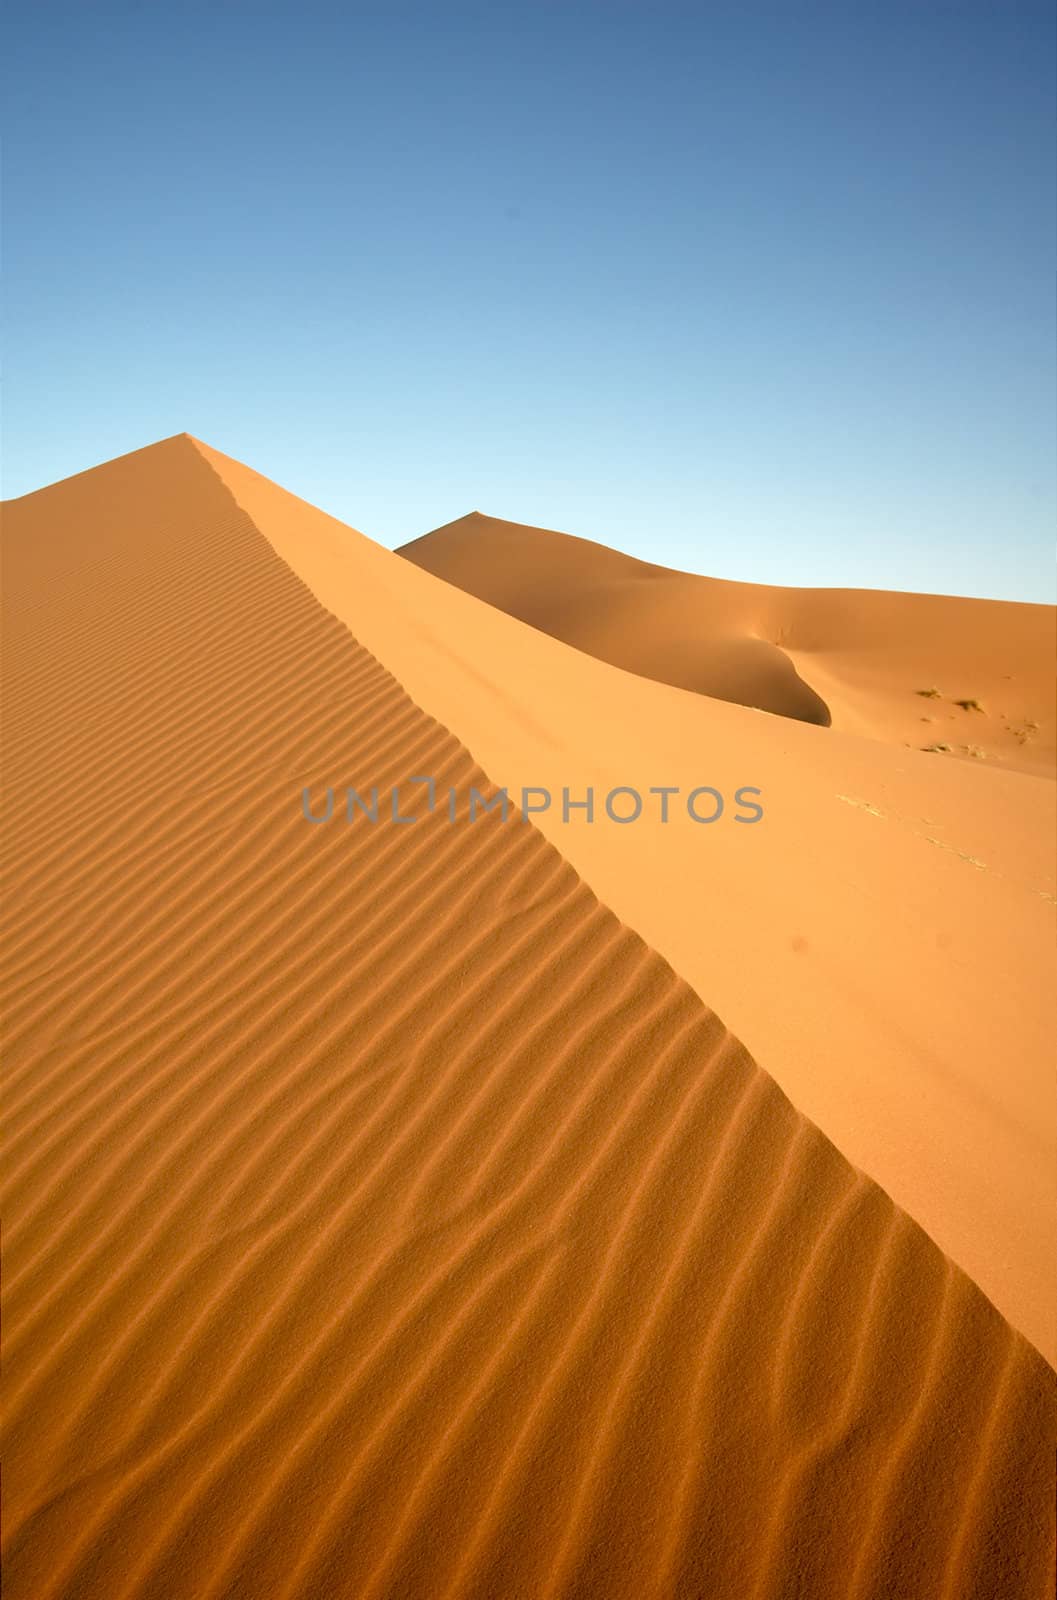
<point>383,1217</point>
<point>969,678</point>
<point>895,910</point>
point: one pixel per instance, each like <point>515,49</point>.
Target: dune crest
<point>896,910</point>
<point>383,1215</point>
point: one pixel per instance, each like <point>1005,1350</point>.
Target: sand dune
<point>383,1216</point>
<point>967,678</point>
<point>897,911</point>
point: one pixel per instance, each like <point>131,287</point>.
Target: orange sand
<point>383,1216</point>
<point>895,910</point>
<point>888,666</point>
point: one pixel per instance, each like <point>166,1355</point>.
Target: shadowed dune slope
<point>857,658</point>
<point>383,1217</point>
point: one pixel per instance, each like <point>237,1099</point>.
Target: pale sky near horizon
<point>760,291</point>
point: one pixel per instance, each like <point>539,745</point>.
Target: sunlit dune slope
<point>883,940</point>
<point>966,678</point>
<point>383,1216</point>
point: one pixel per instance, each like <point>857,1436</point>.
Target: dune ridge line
<point>383,1216</point>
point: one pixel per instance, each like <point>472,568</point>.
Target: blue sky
<point>763,291</point>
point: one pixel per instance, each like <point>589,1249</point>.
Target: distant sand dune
<point>863,660</point>
<point>383,1217</point>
